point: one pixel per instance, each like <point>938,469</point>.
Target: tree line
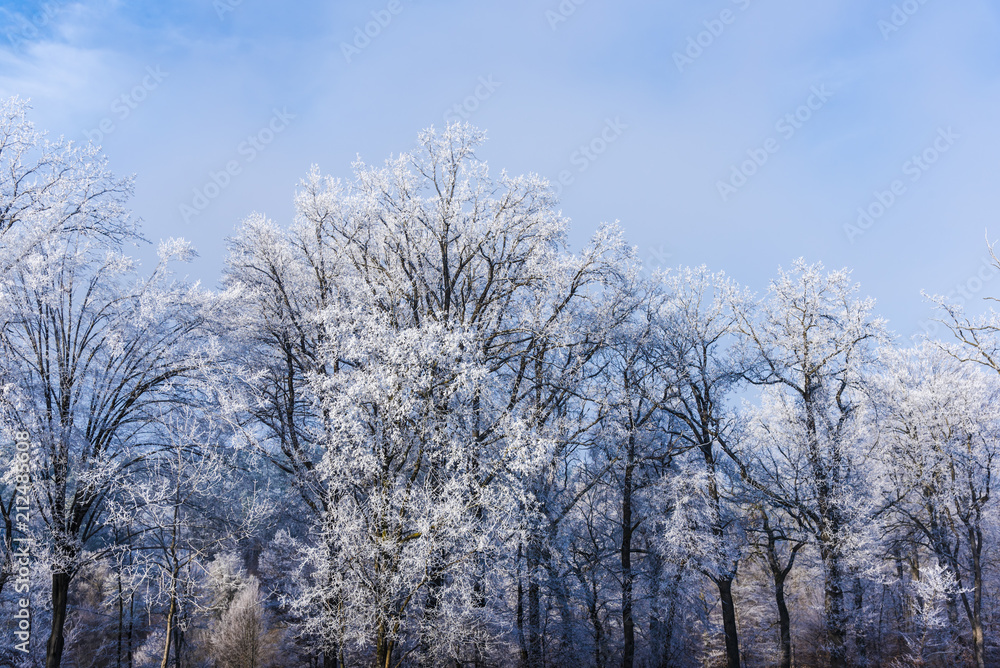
<point>412,428</point>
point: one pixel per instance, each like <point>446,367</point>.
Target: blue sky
<point>893,110</point>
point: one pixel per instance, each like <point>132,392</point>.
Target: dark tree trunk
<point>784,622</point>
<point>978,644</point>
<point>975,610</point>
<point>778,575</point>
<point>131,628</point>
<point>121,619</point>
<point>729,622</point>
<point>171,613</point>
<point>60,594</point>
<point>723,581</point>
<point>826,478</point>
<point>431,613</point>
<point>383,648</point>
<point>534,616</point>
<point>834,595</point>
<point>666,658</point>
<point>595,621</point>
<point>7,569</point>
<point>860,625</point>
<point>628,623</point>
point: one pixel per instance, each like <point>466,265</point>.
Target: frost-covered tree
<point>48,189</point>
<point>278,282</point>
<point>93,353</point>
<point>809,344</point>
<point>51,189</point>
<point>241,638</point>
<point>939,430</point>
<point>638,445</point>
<point>696,327</point>
<point>415,429</point>
<point>432,316</point>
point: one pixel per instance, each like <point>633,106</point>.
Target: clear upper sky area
<point>736,133</point>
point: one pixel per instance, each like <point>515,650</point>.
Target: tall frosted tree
<point>48,189</point>
<point>939,428</point>
<point>810,343</point>
<point>696,328</point>
<point>437,357</point>
<point>93,354</point>
<point>637,444</point>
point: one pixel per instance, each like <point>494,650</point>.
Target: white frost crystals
<point>436,353</point>
<point>48,188</point>
<point>415,429</point>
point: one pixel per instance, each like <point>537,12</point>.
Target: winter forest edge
<point>412,428</point>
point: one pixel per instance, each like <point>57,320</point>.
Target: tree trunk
<point>729,622</point>
<point>860,625</point>
<point>557,585</point>
<point>723,581</point>
<point>60,593</point>
<point>628,623</point>
<point>121,622</point>
<point>657,613</point>
<point>666,657</point>
<point>534,619</point>
<point>534,639</point>
<point>7,569</point>
<point>834,596</point>
<point>174,575</point>
<point>131,628</point>
<point>829,529</point>
<point>171,611</point>
<point>479,603</point>
<point>595,621</point>
<point>179,638</point>
<point>975,613</point>
<point>520,610</point>
<point>784,622</point>
<point>383,649</point>
<point>431,620</point>
<point>778,575</point>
